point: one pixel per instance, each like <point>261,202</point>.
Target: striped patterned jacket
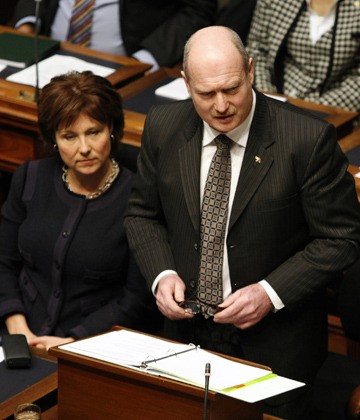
<point>272,23</point>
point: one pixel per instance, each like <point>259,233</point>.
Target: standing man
<point>291,216</point>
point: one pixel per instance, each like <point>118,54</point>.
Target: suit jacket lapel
<point>257,159</point>
<point>256,163</point>
<point>289,16</point>
<point>189,157</point>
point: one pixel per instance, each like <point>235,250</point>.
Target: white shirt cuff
<point>146,57</point>
<point>274,297</point>
<point>159,277</point>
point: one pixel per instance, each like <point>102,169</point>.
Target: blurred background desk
<point>18,113</point>
<point>139,96</point>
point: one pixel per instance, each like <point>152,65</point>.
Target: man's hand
<point>169,293</point>
<point>244,308</point>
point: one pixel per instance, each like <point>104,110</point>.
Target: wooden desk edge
<point>30,394</point>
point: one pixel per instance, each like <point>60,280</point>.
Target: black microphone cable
<point>36,49</point>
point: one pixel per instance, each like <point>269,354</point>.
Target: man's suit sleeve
<point>332,212</point>
<point>258,45</point>
<point>166,42</point>
<point>144,220</point>
<point>48,9</point>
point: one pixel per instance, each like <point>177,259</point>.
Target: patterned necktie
<point>213,223</point>
<point>80,23</point>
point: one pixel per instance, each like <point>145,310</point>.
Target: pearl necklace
<point>108,181</point>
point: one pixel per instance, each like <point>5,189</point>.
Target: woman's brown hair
<point>69,95</point>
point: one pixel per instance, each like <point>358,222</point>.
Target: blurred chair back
<point>127,156</point>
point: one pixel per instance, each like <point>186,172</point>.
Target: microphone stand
<point>207,379</point>
<point>36,49</point>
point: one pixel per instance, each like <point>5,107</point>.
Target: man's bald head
<point>213,43</point>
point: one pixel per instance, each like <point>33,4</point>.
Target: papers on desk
<point>176,89</point>
<point>54,66</point>
<point>18,50</point>
<point>185,363</point>
<point>277,97</point>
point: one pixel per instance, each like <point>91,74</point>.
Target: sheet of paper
<point>176,89</point>
<point>54,66</point>
<point>124,347</point>
<point>224,372</point>
<point>2,358</point>
<point>2,66</point>
<point>264,389</point>
<point>279,98</point>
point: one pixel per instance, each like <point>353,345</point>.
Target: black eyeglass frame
<point>197,306</point>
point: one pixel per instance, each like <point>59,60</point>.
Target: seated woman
<point>308,49</point>
<point>66,271</point>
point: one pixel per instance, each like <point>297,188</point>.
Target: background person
<point>152,31</point>
<point>308,50</point>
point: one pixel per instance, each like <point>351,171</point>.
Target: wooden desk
<point>52,414</point>
<point>39,391</point>
<point>144,90</point>
<point>44,394</point>
<point>18,114</point>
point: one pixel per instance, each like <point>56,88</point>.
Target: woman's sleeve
<point>13,213</point>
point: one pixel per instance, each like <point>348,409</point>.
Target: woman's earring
<point>55,147</point>
<point>112,137</point>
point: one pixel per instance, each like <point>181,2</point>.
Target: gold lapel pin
<point>257,159</point>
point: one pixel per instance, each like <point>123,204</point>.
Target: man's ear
<point>251,70</point>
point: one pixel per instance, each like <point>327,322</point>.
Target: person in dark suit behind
<point>237,15</point>
<point>66,271</point>
<point>293,222</point>
<point>7,10</point>
<point>152,31</point>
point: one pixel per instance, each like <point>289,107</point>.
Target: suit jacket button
<point>196,247</point>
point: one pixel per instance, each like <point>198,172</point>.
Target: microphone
<point>207,379</point>
<point>36,49</point>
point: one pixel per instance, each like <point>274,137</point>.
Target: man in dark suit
<point>294,219</point>
<point>160,27</point>
<point>237,15</point>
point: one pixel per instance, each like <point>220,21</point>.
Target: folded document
<point>183,362</point>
